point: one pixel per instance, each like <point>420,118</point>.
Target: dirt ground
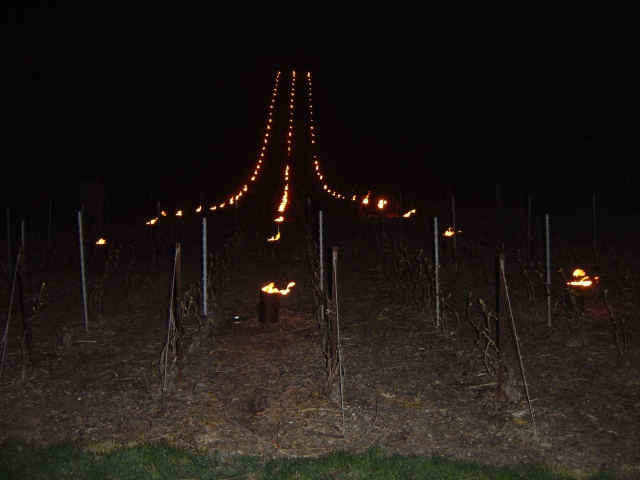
<point>407,384</point>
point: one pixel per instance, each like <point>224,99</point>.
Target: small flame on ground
<point>101,241</point>
<point>409,213</point>
<point>271,288</point>
<point>274,238</point>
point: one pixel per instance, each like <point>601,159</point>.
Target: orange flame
<point>101,241</point>
<point>409,213</point>
<point>582,279</point>
<point>274,238</point>
<point>271,288</point>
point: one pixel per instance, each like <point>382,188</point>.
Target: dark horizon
<point>171,104</point>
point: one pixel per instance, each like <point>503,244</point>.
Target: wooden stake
<point>436,268</point>
<point>178,311</point>
<point>500,295</point>
<point>82,273</point>
<point>26,320</point>
<point>204,267</point>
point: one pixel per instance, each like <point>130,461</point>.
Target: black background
<point>172,103</point>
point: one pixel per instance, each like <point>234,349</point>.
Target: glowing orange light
<point>409,213</point>
<point>152,221</point>
<point>582,279</point>
<point>101,241</point>
<point>279,219</point>
<point>381,203</point>
<point>275,238</point>
<point>179,213</point>
<point>199,209</point>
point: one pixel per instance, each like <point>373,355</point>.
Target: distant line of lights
<point>316,164</point>
<point>285,194</point>
<point>312,134</point>
<point>245,188</point>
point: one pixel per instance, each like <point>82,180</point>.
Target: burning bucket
<point>102,249</point>
<point>579,288</point>
<point>270,302</point>
<point>272,246</point>
<point>269,307</point>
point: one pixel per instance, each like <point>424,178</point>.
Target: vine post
<point>8,240</point>
<point>178,311</point>
<point>82,273</point>
<point>436,269</point>
<point>204,267</point>
<point>26,320</point>
<point>321,264</point>
<point>453,217</point>
<point>500,296</point>
<point>548,259</point>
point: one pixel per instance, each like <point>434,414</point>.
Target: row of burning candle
<point>233,199</point>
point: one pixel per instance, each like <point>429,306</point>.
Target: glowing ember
<point>582,279</point>
<point>101,241</point>
<point>409,213</point>
<point>271,288</point>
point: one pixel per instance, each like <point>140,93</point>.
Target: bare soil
<point>407,384</point>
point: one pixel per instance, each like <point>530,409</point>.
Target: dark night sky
<point>174,101</point>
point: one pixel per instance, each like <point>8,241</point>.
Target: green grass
<point>154,461</point>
